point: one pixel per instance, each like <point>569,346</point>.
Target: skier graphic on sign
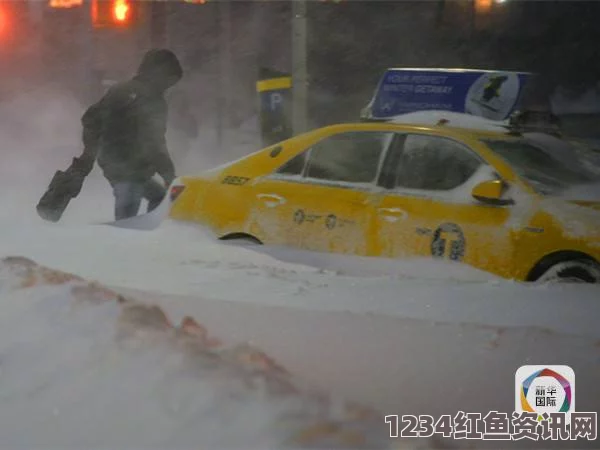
<point>492,87</point>
<point>493,95</point>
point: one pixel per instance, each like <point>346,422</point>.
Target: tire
<point>575,271</point>
<point>241,239</point>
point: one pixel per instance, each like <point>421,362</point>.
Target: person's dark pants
<point>129,195</point>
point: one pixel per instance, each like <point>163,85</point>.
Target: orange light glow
<point>483,6</point>
<point>121,10</point>
<point>113,13</point>
<point>2,21</point>
<point>65,3</point>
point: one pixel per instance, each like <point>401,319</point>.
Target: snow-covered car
<point>488,198</point>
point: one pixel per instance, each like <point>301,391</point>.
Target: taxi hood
<point>583,194</point>
<point>578,218</point>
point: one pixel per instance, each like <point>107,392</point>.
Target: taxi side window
<point>348,157</point>
<point>294,166</point>
<point>434,163</point>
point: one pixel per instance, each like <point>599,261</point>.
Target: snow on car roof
<point>451,119</point>
<point>454,69</point>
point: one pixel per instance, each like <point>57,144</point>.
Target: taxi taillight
<point>176,192</point>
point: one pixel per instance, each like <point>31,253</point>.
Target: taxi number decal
<point>300,217</point>
<point>237,181</point>
<point>448,242</point>
<point>331,221</point>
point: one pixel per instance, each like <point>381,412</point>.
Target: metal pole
<point>225,68</point>
<point>299,67</point>
<point>257,22</point>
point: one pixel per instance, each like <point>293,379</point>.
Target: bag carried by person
<point>64,186</point>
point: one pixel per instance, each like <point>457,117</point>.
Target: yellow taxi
<point>494,199</point>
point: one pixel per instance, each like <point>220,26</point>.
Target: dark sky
<point>350,43</point>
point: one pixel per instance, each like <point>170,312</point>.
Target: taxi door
<point>275,202</point>
<point>330,208</point>
<point>428,209</point>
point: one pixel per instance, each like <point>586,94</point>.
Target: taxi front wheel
<point>576,271</point>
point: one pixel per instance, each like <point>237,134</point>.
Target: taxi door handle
<point>392,214</point>
<point>271,200</point>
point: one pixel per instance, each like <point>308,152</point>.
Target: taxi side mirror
<point>490,192</point>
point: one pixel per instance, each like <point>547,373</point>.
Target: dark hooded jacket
<point>125,131</point>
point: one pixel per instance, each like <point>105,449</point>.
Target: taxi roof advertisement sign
<point>491,94</point>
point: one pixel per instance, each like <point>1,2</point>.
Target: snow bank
<point>85,367</point>
<point>180,259</point>
<point>435,353</point>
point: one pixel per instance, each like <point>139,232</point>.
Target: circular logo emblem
<point>330,221</point>
<point>448,242</point>
<point>299,216</point>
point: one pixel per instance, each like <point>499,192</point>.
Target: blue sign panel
<point>490,94</point>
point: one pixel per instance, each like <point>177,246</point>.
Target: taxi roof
<point>452,122</point>
<point>452,69</point>
<point>441,129</point>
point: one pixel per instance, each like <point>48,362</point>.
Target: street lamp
<point>112,13</point>
<point>121,10</point>
<point>64,4</point>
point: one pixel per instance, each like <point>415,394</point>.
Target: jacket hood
<point>161,68</point>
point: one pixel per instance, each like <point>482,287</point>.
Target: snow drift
<point>84,367</point>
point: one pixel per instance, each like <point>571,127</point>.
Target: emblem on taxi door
<point>448,242</point>
<point>330,221</point>
<point>299,216</point>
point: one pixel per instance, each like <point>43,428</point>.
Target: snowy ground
<point>403,337</point>
<point>87,368</point>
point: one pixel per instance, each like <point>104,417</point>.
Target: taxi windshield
<point>550,165</point>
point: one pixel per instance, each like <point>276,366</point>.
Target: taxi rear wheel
<point>241,238</point>
<point>576,271</point>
